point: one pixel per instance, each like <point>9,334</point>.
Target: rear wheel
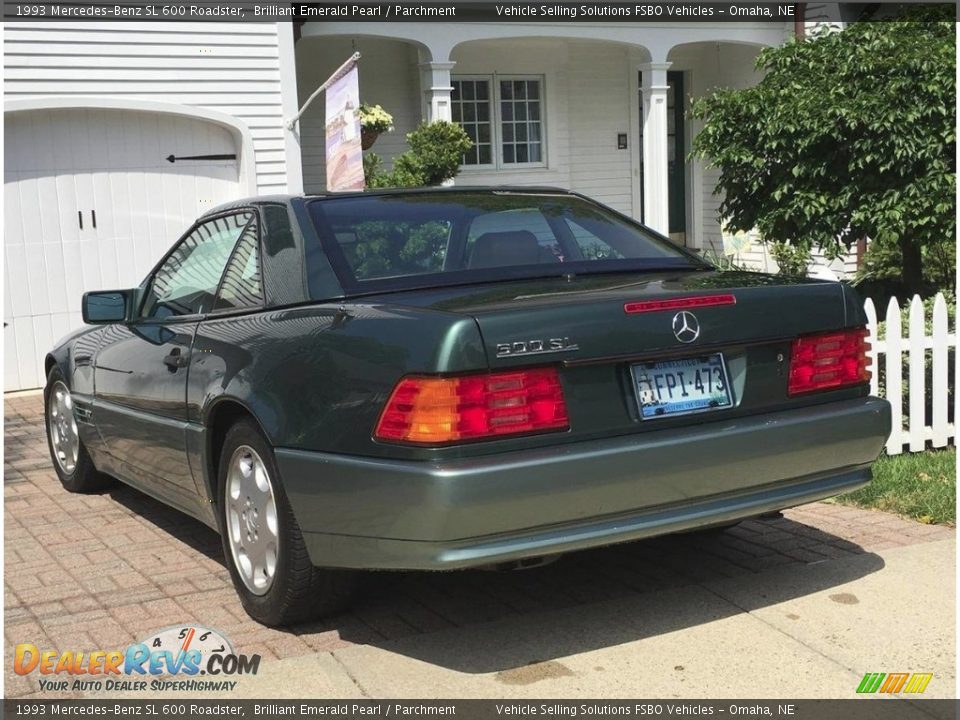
<point>70,458</point>
<point>264,548</point>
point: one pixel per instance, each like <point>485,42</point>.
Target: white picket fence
<point>910,430</point>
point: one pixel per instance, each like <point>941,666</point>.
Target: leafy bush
<point>790,259</point>
<point>436,150</point>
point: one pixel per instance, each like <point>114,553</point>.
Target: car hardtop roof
<point>285,199</point>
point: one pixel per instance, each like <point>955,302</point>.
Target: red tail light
<point>829,361</point>
<point>435,411</point>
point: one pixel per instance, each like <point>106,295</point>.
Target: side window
<point>186,283</point>
<point>241,286</point>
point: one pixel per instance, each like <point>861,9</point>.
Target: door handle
<point>176,360</point>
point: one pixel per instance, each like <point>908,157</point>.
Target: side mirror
<point>106,306</point>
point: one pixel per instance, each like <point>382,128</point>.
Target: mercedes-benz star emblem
<point>686,326</point>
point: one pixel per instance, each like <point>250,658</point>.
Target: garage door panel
<point>26,357</point>
<point>12,216</point>
<point>99,140</point>
<point>83,187</point>
<point>11,358</point>
<point>46,207</point>
<point>91,264</point>
<point>109,264</point>
<point>150,151</point>
<point>66,208</point>
<point>38,283</point>
<point>56,277</point>
<point>64,162</point>
<point>78,135</point>
<point>16,155</point>
<point>105,225</point>
<point>15,265</point>
<point>187,196</point>
<point>73,273</point>
<point>174,212</point>
<point>57,131</point>
<point>140,223</point>
<point>115,188</point>
<point>29,213</point>
<point>7,293</point>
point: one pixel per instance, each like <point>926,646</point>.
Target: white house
<point>95,111</point>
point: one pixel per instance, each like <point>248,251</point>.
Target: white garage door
<point>92,203</point>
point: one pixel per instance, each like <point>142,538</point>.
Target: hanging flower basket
<point>368,138</point>
<point>373,121</point>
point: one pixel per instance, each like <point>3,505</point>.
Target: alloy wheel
<point>64,437</point>
<point>251,514</point>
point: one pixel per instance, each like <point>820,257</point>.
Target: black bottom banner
<point>893,708</point>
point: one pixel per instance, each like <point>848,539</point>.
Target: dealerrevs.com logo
<point>189,658</point>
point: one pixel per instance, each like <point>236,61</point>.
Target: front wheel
<point>70,458</point>
<point>264,548</point>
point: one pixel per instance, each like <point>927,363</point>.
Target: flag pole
<point>337,74</point>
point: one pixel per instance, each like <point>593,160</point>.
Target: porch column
<point>656,208</point>
<point>436,87</point>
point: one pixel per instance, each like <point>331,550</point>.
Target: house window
<point>471,110</point>
<point>504,118</point>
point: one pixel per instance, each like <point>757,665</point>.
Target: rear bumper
<point>371,513</point>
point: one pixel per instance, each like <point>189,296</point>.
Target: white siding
<point>599,95</point>
<point>230,67</point>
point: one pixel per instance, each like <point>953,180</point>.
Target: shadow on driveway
<point>399,605</point>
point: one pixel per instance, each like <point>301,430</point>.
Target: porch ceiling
<point>653,41</point>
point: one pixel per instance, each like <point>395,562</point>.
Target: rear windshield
<point>378,242</point>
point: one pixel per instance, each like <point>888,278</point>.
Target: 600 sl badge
<point>536,347</point>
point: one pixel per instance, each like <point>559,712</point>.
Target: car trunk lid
<point>579,319</point>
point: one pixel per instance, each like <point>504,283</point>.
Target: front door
<point>140,374</point>
<point>676,156</point>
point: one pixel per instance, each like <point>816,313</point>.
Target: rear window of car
<point>428,239</point>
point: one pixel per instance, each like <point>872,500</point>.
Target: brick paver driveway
<point>103,571</point>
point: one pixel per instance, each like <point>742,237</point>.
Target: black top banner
<point>654,11</point>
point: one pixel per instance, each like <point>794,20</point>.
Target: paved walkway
<point>102,571</point>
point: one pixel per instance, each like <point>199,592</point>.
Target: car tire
<point>71,461</point>
<point>281,587</point>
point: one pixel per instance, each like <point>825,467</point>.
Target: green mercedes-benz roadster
<point>442,379</point>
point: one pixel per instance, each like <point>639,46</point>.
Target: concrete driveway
<point>801,606</point>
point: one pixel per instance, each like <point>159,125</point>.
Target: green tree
<point>849,134</point>
<point>436,150</point>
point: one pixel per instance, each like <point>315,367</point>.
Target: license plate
<point>680,387</point>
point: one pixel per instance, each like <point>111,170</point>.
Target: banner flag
<point>344,155</point>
